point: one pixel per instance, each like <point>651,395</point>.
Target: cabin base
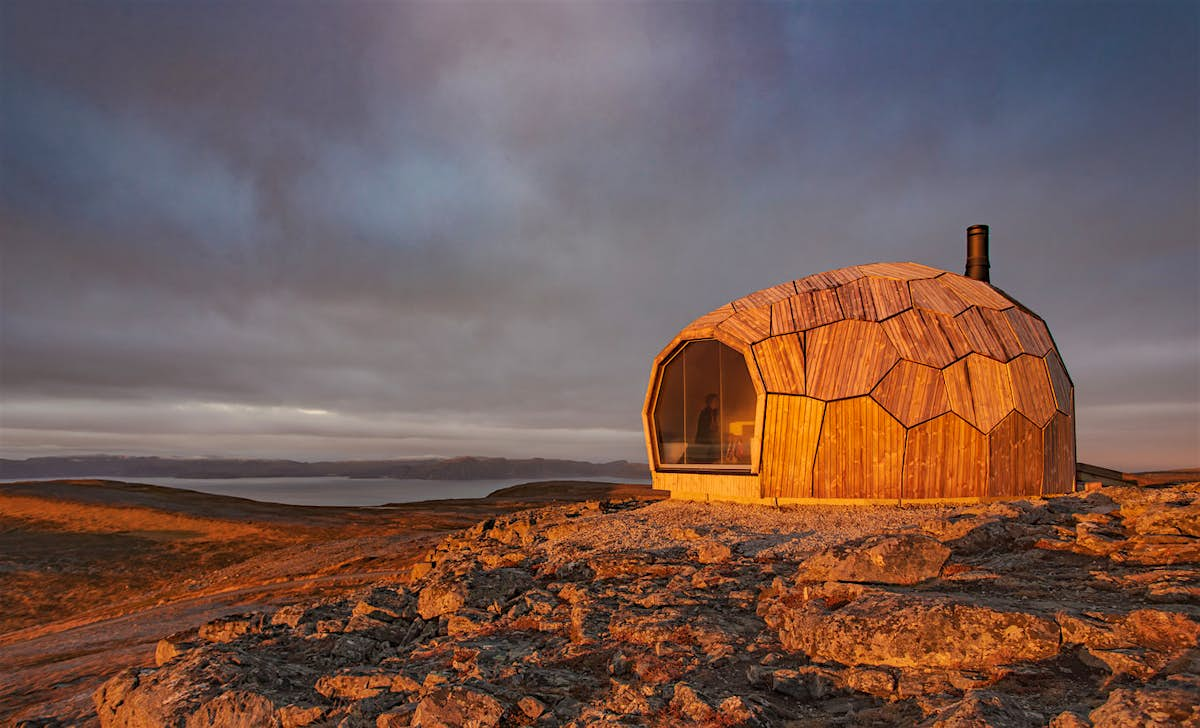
<point>706,488</point>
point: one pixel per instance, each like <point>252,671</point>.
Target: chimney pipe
<point>977,253</point>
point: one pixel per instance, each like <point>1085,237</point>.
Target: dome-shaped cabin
<point>881,382</point>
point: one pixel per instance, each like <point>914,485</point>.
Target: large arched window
<point>704,411</point>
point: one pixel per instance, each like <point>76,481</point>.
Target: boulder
<point>806,684</point>
<point>885,559</point>
<point>227,629</point>
<point>1159,550</point>
<point>909,630</point>
<point>120,704</point>
<point>235,709</point>
<point>1138,643</point>
<point>532,707</point>
<point>870,680</point>
<point>172,646</point>
<point>625,699</point>
<point>710,551</point>
<point>1164,520</point>
<point>458,708</point>
<point>1068,719</point>
<point>298,716</point>
<point>687,703</point>
<point>1150,707</point>
<point>736,711</point>
<point>442,596</point>
<point>999,535</point>
<point>478,589</point>
<point>985,709</point>
<point>352,687</point>
<point>396,717</point>
<point>290,616</point>
<point>515,532</point>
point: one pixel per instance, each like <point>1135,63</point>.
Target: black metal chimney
<point>977,253</point>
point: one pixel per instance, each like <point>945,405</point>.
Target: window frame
<point>751,468</point>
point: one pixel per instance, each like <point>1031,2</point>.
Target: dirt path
<point>55,672</point>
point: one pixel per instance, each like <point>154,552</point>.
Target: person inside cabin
<point>708,432</point>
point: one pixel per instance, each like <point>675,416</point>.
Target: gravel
<point>789,532</point>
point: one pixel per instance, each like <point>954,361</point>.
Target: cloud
<point>464,212</point>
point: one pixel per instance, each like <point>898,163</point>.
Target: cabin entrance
<point>704,409</point>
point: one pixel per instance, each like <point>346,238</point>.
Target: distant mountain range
<point>460,468</point>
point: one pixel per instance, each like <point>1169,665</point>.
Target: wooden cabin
<point>884,382</point>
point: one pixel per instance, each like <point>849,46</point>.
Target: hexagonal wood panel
<point>828,279</point>
<point>980,390</point>
<point>900,271</point>
<point>745,327</point>
<point>765,297</point>
<point>912,393</point>
<point>811,309</point>
<point>782,319</point>
<point>1031,331</point>
<point>1032,394</point>
<point>975,293</point>
<point>846,359</point>
<point>1060,382</point>
<point>706,325</point>
<point>931,295</point>
<point>988,332</point>
<point>873,299</point>
<point>781,362</point>
<point>926,337</point>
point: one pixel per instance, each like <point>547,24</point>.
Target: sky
<point>381,230</point>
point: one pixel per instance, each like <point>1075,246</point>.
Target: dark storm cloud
<point>386,229</point>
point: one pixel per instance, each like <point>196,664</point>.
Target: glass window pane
<point>703,376</point>
<point>738,400</point>
<point>669,417</point>
<point>704,413</point>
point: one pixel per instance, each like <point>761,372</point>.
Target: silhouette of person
<point>708,432</point>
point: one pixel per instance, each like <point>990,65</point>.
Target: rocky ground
<point>93,573</point>
<point>1074,611</point>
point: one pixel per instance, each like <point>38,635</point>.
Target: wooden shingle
<point>846,359</point>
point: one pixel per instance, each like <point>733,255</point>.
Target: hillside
<point>460,468</point>
<point>1080,610</point>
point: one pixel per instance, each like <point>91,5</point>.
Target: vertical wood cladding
<point>945,458</point>
<point>1016,458</point>
<point>793,427</point>
<point>860,452</point>
<point>1060,454</point>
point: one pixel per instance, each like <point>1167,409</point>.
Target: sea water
<point>336,491</point>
